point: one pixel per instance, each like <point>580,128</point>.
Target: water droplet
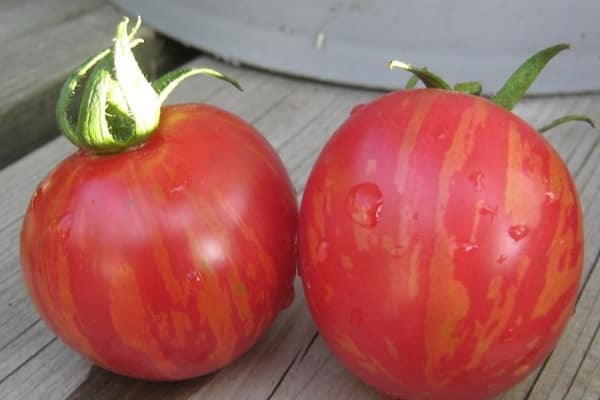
<point>468,247</point>
<point>64,225</point>
<point>178,188</point>
<point>364,204</point>
<point>322,251</point>
<point>357,108</point>
<point>489,211</point>
<point>508,335</point>
<point>356,318</point>
<point>464,248</point>
<point>501,259</point>
<point>550,198</point>
<point>194,276</point>
<point>416,216</point>
<point>476,179</point>
<point>396,251</point>
<point>518,232</point>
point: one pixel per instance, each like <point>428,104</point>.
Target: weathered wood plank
<point>20,17</point>
<point>317,374</point>
<point>37,60</point>
<point>51,373</point>
<point>585,358</point>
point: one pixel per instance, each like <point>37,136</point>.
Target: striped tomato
<point>167,260</point>
<point>440,245</point>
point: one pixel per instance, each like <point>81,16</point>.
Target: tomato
<point>168,261</point>
<point>440,245</point>
<point>165,259</point>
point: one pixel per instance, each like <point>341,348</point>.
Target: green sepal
<point>428,78</point>
<point>92,108</point>
<point>143,103</point>
<point>169,81</point>
<point>68,91</point>
<point>565,119</point>
<point>519,82</point>
<point>412,82</point>
<point>470,87</point>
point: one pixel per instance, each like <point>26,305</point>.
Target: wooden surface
<point>290,361</point>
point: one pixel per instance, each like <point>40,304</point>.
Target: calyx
<point>511,92</point>
<point>119,107</point>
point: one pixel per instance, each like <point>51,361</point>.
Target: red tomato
<point>170,260</point>
<point>441,245</point>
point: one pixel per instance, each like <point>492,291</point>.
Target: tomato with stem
<point>165,246</point>
<point>441,239</point>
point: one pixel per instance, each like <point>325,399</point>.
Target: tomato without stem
<point>440,245</point>
<point>169,260</point>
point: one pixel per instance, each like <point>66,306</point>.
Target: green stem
<point>169,81</point>
<point>428,78</point>
<point>412,82</point>
<point>565,119</point>
<point>519,82</point>
<point>119,108</point>
<point>470,87</point>
<point>509,95</point>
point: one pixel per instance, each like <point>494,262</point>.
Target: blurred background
<point>350,41</point>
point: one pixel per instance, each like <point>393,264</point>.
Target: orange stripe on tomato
<point>448,300</point>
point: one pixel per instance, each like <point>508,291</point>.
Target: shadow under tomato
<point>101,384</point>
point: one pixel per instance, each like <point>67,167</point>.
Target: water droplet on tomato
<point>476,179</point>
<point>518,232</point>
<point>463,248</point>
<point>467,247</point>
<point>508,335</point>
<point>364,204</point>
<point>501,259</point>
<point>64,225</point>
<point>357,108</point>
<point>356,318</point>
<point>194,276</point>
<point>489,211</point>
<point>322,250</point>
<point>176,189</point>
<point>550,198</point>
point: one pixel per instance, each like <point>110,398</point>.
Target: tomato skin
<point>440,245</point>
<point>168,261</point>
